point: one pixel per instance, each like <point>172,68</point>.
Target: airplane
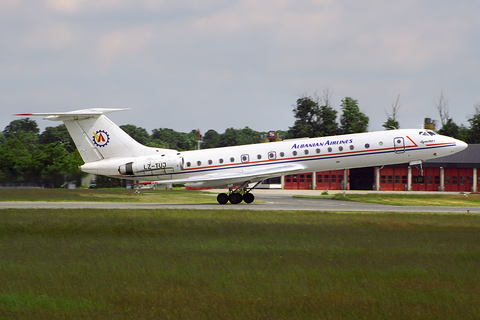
<point>108,150</point>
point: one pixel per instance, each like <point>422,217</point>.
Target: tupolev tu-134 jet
<point>108,150</point>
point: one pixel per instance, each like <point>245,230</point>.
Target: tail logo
<point>100,138</point>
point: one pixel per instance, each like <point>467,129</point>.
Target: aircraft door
<point>399,145</point>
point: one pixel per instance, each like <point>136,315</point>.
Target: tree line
<point>50,158</point>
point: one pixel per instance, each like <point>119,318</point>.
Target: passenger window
<point>189,164</point>
<point>259,156</point>
<point>245,158</point>
<point>294,153</point>
<point>305,151</point>
<point>220,160</point>
<point>232,159</point>
<point>367,145</point>
<point>199,163</point>
<point>210,161</point>
<point>318,150</point>
<point>329,149</point>
<point>282,154</point>
<point>272,155</point>
<point>340,148</point>
<point>352,147</point>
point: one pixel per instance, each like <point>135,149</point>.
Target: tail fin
<point>96,136</point>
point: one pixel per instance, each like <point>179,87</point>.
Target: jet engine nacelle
<point>152,165</point>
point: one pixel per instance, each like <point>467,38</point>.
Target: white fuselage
<point>230,165</point>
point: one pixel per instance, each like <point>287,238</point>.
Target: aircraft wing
<point>223,179</point>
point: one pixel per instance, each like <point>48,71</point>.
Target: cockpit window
<point>426,133</point>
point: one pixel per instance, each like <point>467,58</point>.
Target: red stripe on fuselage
<point>294,158</point>
<point>412,141</point>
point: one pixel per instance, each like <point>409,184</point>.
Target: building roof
<point>468,158</point>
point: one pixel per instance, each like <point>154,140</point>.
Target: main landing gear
<point>238,195</point>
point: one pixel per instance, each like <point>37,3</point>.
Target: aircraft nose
<point>460,145</point>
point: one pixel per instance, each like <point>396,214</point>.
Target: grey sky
<point>216,64</point>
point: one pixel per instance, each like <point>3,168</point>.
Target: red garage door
<point>299,181</point>
<point>393,178</point>
<point>291,181</point>
<point>451,179</point>
<point>432,179</point>
<point>305,181</point>
<point>330,180</point>
<point>465,179</point>
<point>458,179</point>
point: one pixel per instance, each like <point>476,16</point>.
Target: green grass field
<point>180,264</point>
<point>107,195</point>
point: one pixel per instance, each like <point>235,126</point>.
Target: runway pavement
<point>265,200</point>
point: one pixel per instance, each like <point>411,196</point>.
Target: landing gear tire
<point>222,198</point>
<point>235,198</point>
<point>248,197</point>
